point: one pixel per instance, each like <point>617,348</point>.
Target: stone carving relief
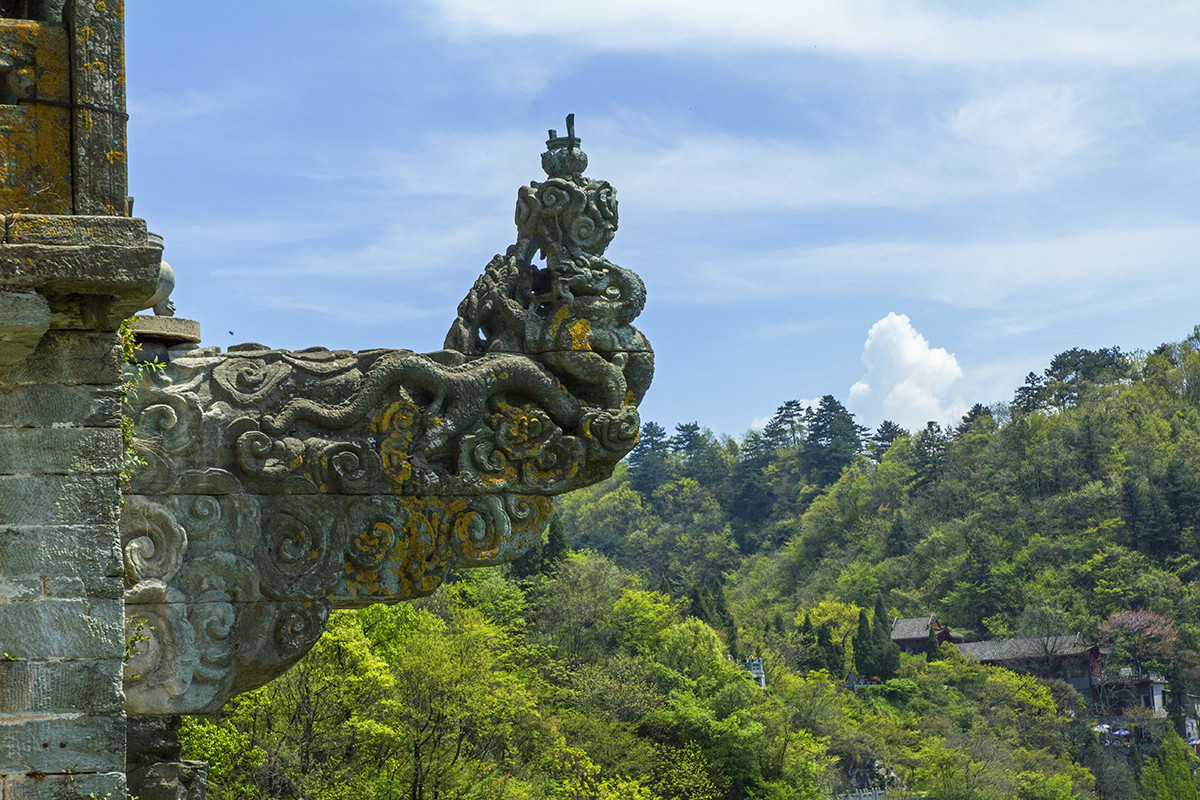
<point>279,485</point>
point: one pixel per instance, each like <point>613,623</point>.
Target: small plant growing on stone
<point>133,373</point>
<point>137,631</point>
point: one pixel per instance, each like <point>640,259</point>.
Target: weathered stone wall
<point>66,282</point>
<point>62,722</point>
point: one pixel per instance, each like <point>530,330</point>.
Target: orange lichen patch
<point>580,331</point>
<point>500,478</point>
<point>391,561</point>
<point>395,426</point>
<point>421,556</point>
<point>537,474</point>
<point>366,552</point>
<point>484,538</point>
<point>114,156</point>
<point>35,138</point>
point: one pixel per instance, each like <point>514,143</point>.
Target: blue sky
<point>907,205</point>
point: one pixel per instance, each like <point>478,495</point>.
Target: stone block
<point>14,589</point>
<point>69,357</point>
<point>37,405</point>
<point>90,786</point>
<point>60,451</point>
<point>59,499</point>
<point>59,743</point>
<point>69,550</point>
<point>74,230</point>
<point>75,588</point>
<point>49,687</point>
<point>24,319</point>
<point>41,629</point>
<point>90,269</point>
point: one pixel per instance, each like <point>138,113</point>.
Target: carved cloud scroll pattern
<point>280,485</point>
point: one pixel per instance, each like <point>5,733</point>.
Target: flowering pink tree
<point>1141,636</point>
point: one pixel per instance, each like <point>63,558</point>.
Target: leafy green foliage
<point>606,672</point>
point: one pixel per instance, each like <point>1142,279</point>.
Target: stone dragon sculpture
<point>278,485</point>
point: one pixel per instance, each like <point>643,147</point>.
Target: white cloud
<point>1027,129</point>
<point>1129,265</point>
<point>1112,32</point>
<point>907,381</point>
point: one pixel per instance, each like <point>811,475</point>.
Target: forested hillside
<point>601,670</point>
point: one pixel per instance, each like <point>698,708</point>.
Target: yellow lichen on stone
<point>35,138</point>
<point>395,427</point>
<point>580,330</point>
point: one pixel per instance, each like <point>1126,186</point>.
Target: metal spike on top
<point>563,158</point>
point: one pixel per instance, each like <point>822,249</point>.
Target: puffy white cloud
<point>907,380</point>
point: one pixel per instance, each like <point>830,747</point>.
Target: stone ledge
<point>70,357</point>
<point>168,330</point>
<point>63,743</point>
<point>81,269</point>
<point>24,319</point>
<point>73,230</point>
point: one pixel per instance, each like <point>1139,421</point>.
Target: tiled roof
<point>914,628</point>
<point>1019,649</point>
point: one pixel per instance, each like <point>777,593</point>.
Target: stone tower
<point>73,264</point>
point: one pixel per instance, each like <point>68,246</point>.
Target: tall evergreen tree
<point>557,549</point>
<point>933,649</point>
<point>1031,396</point>
<point>833,440</point>
<point>897,541</point>
<point>786,428</point>
<point>887,652</point>
<point>687,438</point>
<point>833,656</point>
<point>865,661</point>
<point>648,466</point>
<point>882,439</point>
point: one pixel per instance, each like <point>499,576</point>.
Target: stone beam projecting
<point>279,485</point>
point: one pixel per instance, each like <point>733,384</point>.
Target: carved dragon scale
<point>279,485</point>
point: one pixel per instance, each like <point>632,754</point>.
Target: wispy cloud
<point>1111,32</point>
<point>1026,129</point>
<point>982,274</point>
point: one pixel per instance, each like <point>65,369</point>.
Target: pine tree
<point>887,652</point>
<point>864,647</point>
<point>882,439</point>
<point>557,549</point>
<point>833,658</point>
<point>933,648</point>
<point>648,465</point>
<point>896,543</point>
